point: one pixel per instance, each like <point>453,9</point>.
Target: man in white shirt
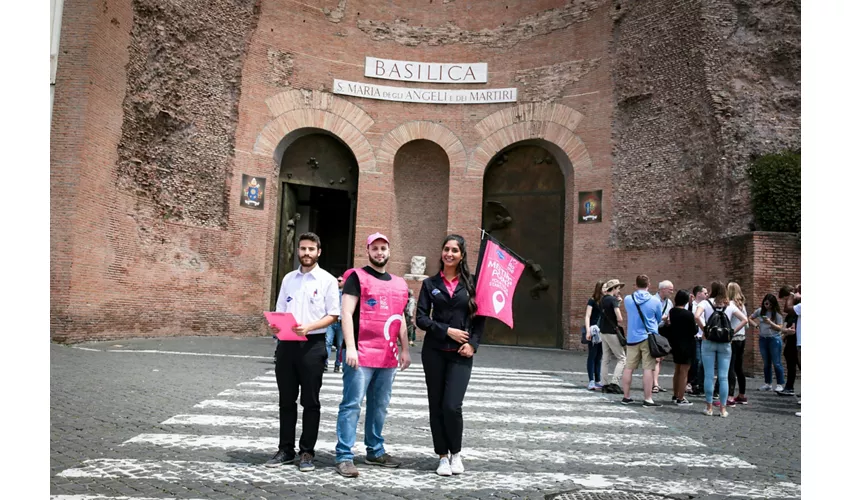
<point>311,294</point>
<point>665,292</point>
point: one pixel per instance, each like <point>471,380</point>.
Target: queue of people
<point>706,330</point>
<point>371,310</point>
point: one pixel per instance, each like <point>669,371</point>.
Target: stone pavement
<point>195,418</point>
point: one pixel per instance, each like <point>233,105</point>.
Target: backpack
<point>718,328</point>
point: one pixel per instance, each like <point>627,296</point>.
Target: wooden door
<point>524,208</point>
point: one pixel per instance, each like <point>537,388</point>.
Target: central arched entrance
<point>318,193</point>
<point>524,191</point>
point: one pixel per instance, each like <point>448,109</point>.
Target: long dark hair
<point>718,293</point>
<point>774,305</point>
<point>463,271</point>
<point>597,292</point>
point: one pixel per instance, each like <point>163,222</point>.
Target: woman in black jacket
<point>446,311</point>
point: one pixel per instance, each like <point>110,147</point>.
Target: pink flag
<point>498,273</point>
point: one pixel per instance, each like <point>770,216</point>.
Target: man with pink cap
<point>373,303</point>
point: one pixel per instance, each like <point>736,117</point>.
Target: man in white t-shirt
<point>665,292</point>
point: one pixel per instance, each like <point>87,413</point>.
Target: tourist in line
<point>789,352</point>
<point>768,319</point>
<point>592,318</point>
<point>719,352</point>
<point>446,311</point>
<point>644,314</point>
<point>664,294</point>
<point>682,331</point>
<point>373,302</point>
<point>739,325</point>
<point>409,318</point>
<point>793,303</point>
<point>311,294</point>
<point>333,337</point>
<point>696,374</point>
<point>612,350</point>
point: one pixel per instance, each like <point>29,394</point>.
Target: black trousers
<point>300,365</point>
<point>446,377</point>
<point>736,368</point>
<point>791,361</point>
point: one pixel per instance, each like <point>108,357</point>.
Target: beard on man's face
<point>378,263</point>
<point>306,260</point>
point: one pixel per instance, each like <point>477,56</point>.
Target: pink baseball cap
<point>376,236</point>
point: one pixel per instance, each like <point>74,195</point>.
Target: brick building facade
<point>161,108</point>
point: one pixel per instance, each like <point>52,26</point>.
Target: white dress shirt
<point>309,296</point>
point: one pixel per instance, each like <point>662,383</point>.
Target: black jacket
<point>436,312</point>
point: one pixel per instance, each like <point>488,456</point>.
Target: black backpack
<point>718,328</point>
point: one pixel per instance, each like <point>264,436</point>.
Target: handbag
<point>658,345</point>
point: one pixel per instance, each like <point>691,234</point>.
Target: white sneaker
<point>765,387</point>
<point>457,464</point>
<point>779,388</point>
<point>799,414</point>
<point>591,386</point>
<point>445,468</point>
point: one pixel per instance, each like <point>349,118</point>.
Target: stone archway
<point>297,115</point>
<point>552,128</point>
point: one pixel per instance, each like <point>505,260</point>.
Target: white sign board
<point>428,96</point>
<point>410,71</point>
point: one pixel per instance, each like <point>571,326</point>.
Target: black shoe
<point>280,458</point>
<point>650,404</point>
<point>786,392</point>
<point>674,399</point>
<point>326,367</point>
<point>627,401</point>
<point>336,369</point>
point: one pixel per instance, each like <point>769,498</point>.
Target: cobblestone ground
<point>195,418</point>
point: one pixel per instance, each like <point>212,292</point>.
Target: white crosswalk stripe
<point>511,416</point>
<point>604,407</point>
<point>176,471</point>
<point>631,459</point>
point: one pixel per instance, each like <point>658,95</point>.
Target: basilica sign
<point>430,96</point>
<point>410,71</point>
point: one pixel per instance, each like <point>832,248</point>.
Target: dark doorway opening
<point>524,194</point>
<point>318,193</point>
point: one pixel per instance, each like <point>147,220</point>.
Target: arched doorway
<point>318,192</point>
<point>421,186</point>
<point>524,192</point>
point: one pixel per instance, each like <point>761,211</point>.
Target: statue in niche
<point>417,265</point>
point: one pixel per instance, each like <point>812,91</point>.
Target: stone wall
<point>160,105</point>
<point>701,88</point>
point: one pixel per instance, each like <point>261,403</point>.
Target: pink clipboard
<point>284,322</point>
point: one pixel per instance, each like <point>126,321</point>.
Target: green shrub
<point>775,192</point>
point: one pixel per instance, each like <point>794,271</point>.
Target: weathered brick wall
<point>173,253</point>
<point>776,262</point>
<point>700,89</point>
<point>421,175</point>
